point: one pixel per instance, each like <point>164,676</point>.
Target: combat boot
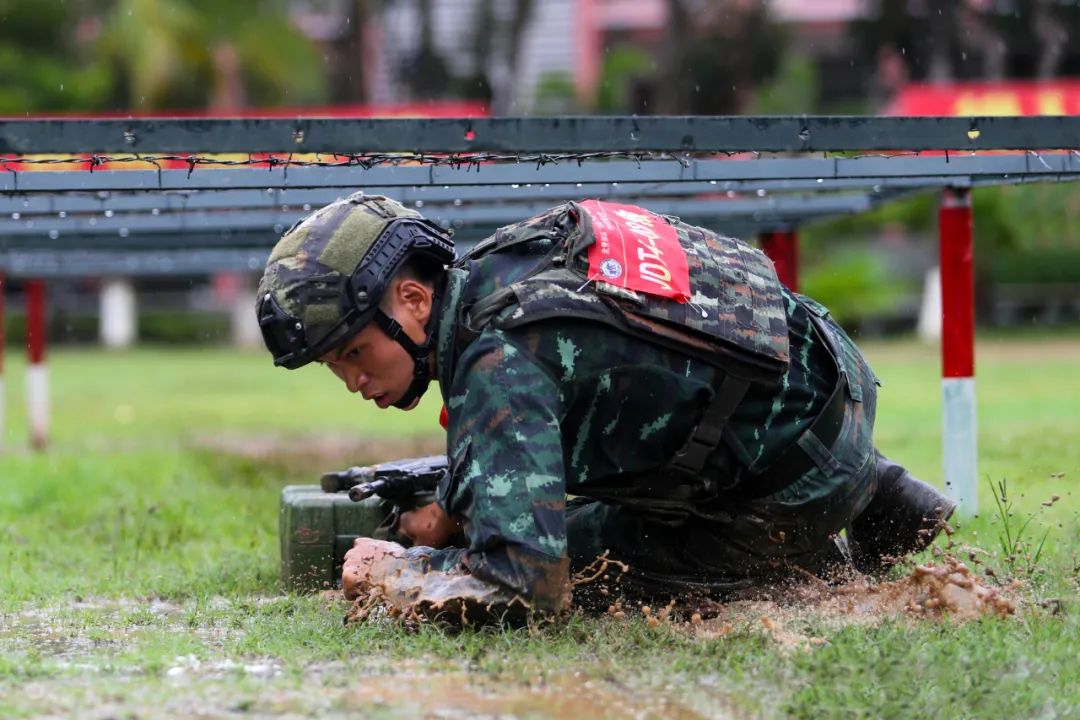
<point>903,517</point>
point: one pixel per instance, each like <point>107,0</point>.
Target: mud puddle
<point>564,696</point>
<point>97,628</point>
<point>333,691</point>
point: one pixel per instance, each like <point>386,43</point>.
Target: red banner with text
<point>636,249</point>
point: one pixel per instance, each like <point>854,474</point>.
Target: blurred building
<point>559,48</point>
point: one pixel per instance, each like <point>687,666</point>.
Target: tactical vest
<point>732,316</point>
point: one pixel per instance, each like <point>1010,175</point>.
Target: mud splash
<point>947,591</point>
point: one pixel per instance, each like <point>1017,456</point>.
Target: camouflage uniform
<point>567,405</point>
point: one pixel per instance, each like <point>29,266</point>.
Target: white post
<point>960,450</point>
<point>245,325</point>
<point>118,317</point>
<point>929,325</point>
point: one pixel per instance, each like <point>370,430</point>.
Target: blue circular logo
<point>611,268</point>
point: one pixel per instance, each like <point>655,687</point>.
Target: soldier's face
<point>373,364</point>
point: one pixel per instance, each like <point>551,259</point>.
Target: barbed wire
<point>457,161</point>
<point>344,160</point>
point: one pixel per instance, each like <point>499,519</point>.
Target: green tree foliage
<point>854,284</point>
<point>69,55</point>
<point>715,54</point>
<point>794,91</point>
<point>178,53</point>
<point>625,68</point>
<point>42,67</point>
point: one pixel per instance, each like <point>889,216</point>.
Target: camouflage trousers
<point>745,542</point>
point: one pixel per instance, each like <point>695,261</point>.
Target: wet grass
<point>138,573</point>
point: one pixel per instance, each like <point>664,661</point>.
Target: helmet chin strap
<point>418,353</point>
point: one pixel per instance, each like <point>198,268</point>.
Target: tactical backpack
<point>656,278</point>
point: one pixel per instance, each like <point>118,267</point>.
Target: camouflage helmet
<point>325,277</point>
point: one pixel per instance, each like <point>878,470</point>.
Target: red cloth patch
<point>636,249</point>
<point>444,418</point>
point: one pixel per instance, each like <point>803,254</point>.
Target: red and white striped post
<point>957,248</point>
<point>37,379</point>
<point>782,247</point>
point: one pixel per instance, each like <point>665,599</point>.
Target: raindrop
<point>515,186</point>
<point>820,180</point>
<point>155,211</point>
<point>16,216</point>
<point>26,203</point>
<point>298,136</point>
<point>634,135</point>
<point>761,192</point>
<point>62,214</point>
<point>92,221</point>
<point>731,193</point>
<point>53,234</point>
<point>279,228</point>
<point>973,134</point>
<point>269,191</point>
<point>61,87</point>
<point>579,184</point>
<point>470,135</point>
<point>419,203</point>
<point>124,232</point>
<point>307,206</point>
<point>877,188</point>
<point>284,208</point>
<point>109,213</point>
<point>712,182</point>
<point>457,202</point>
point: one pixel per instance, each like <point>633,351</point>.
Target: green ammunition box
<point>317,529</point>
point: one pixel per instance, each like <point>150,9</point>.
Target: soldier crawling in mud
<point>713,427</point>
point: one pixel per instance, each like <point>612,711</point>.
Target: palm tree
<point>199,53</point>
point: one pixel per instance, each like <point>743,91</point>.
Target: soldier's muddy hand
<point>361,567</point>
<point>429,525</point>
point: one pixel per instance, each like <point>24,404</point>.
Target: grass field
<point>138,566</point>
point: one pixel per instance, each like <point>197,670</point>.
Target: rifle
<point>406,484</point>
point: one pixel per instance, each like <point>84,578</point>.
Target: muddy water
<point>560,696</point>
<point>401,696</point>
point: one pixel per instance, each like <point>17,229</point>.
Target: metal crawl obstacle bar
<point>190,208</point>
<point>547,134</point>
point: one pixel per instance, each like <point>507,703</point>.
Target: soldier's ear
<point>414,297</point>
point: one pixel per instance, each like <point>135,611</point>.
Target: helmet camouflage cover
<point>325,277</point>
